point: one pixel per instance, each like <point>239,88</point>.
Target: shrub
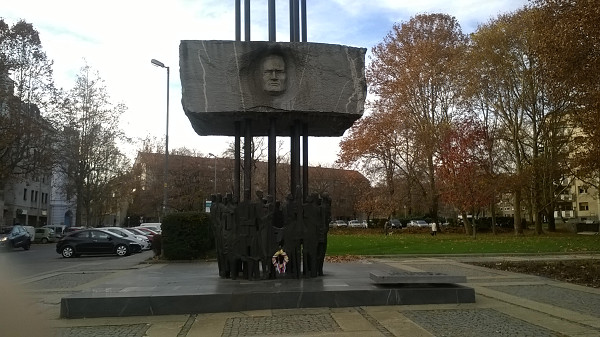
<point>186,235</point>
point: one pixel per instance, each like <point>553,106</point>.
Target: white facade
<point>26,202</point>
<point>62,210</point>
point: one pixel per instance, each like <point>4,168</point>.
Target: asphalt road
<point>43,259</point>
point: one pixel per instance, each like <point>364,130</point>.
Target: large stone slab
<point>187,288</point>
<point>223,82</point>
<point>408,277</point>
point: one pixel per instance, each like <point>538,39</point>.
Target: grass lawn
<point>373,242</point>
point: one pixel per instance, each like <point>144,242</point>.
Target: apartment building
<point>26,202</point>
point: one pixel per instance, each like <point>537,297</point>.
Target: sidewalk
<point>507,304</point>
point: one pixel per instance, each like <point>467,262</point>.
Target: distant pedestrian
<point>434,226</point>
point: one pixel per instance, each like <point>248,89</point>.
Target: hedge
<point>186,236</point>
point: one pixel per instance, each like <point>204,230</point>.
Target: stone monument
<point>276,89</point>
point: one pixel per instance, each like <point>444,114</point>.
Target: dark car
<point>15,237</point>
<point>95,241</point>
<point>394,223</point>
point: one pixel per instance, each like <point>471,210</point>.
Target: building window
<point>583,189</point>
<point>583,206</point>
<point>36,196</point>
<point>32,194</point>
<point>25,194</point>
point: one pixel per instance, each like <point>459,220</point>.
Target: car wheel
<point>68,251</point>
<point>122,250</point>
<point>27,245</point>
<point>44,240</point>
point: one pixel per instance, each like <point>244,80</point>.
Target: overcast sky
<point>120,37</point>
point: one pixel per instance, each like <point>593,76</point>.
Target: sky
<point>118,38</point>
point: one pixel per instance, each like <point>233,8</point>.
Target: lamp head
<point>158,63</point>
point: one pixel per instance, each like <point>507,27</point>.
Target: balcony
<point>564,214</point>
<point>566,197</point>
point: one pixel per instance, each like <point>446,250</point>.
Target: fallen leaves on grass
<point>582,272</point>
<point>342,258</point>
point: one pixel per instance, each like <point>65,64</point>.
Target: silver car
<point>417,223</point>
<point>338,223</point>
<point>142,240</point>
<point>357,224</point>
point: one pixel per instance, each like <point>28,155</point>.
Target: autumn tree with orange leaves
<point>463,176</point>
<point>414,74</point>
<point>379,145</point>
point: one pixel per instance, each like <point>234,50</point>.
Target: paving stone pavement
<point>507,304</point>
<point>475,322</point>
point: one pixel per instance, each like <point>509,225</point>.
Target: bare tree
<point>91,159</point>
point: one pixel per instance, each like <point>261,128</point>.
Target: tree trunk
<point>517,193</point>
<point>550,213</point>
<point>433,195</point>
<point>517,216</point>
<point>493,209</point>
<point>466,223</point>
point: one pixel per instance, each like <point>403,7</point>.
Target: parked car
<point>418,223</point>
<point>58,229</point>
<point>139,231</point>
<point>357,224</point>
<point>31,231</point>
<point>71,230</point>
<point>95,241</point>
<point>147,230</point>
<point>394,223</point>
<point>15,237</point>
<point>142,240</point>
<point>155,226</point>
<point>146,241</point>
<point>338,224</point>
<point>45,235</point>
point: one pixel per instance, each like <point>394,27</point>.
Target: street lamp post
<point>164,205</point>
<point>215,181</point>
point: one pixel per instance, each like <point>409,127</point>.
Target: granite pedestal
<point>190,288</point>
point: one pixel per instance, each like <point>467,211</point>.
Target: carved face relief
<point>274,75</point>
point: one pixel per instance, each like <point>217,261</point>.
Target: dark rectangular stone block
<point>86,306</point>
<point>223,82</point>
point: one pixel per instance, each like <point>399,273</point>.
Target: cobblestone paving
<point>132,330</point>
<point>579,301</point>
<point>279,325</point>
<point>475,323</point>
<point>67,280</point>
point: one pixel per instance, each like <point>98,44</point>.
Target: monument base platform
<point>190,288</point>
